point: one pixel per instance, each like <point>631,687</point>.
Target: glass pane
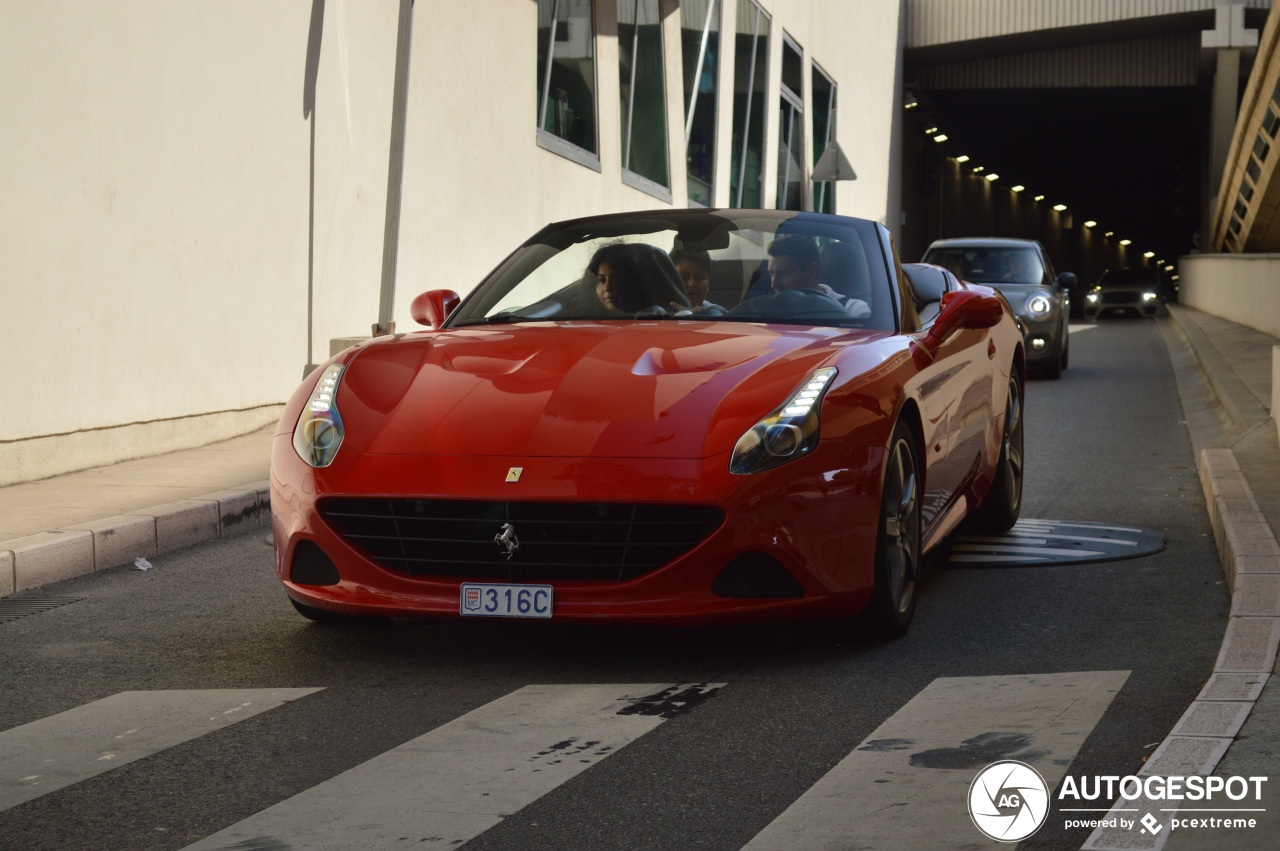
<point>750,74</point>
<point>792,65</point>
<point>790,157</point>
<point>824,107</point>
<point>699,26</point>
<point>567,88</point>
<point>644,111</point>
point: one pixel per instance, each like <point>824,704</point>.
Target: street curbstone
<point>120,539</point>
<point>237,510</point>
<point>1256,595</point>
<point>183,523</point>
<point>1226,686</point>
<point>1213,719</point>
<point>50,557</point>
<point>7,578</point>
<point>1249,645</point>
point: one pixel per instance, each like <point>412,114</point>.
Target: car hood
<point>648,389</point>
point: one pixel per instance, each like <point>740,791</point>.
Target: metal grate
<point>11,610</point>
<point>597,542</point>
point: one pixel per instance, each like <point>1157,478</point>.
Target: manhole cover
<point>1044,542</point>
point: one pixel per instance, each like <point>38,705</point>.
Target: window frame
<point>545,138</point>
<point>632,178</point>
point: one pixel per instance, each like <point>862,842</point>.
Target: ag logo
<point>1008,800</point>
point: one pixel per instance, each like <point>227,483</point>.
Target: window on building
<point>567,80</point>
<point>1271,123</point>
<point>700,46</point>
<point>1261,147</point>
<point>644,100</point>
<point>750,72</point>
<point>824,130</point>
<point>792,173</point>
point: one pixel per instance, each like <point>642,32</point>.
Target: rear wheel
<point>1000,510</point>
<point>893,602</point>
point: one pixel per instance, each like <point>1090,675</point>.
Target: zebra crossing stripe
<point>1054,542</point>
<point>63,749</point>
<point>448,786</point>
<point>906,785</point>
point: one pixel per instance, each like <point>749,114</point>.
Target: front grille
<point>1120,298</point>
<point>600,542</point>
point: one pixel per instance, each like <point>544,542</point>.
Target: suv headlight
<point>319,432</point>
<point>1092,298</point>
<point>1039,305</point>
<point>1148,296</point>
<point>790,432</point>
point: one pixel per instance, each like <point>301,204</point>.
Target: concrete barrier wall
<point>1242,288</point>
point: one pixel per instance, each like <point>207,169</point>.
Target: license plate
<point>505,601</point>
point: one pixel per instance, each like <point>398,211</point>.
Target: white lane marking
<point>1073,328</point>
<point>906,785</point>
<point>1054,524</point>
<point>452,784</point>
<point>63,749</point>
<point>1031,551</point>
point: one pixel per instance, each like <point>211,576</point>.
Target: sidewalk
<point>1223,371</point>
<point>76,523</point>
<point>80,522</point>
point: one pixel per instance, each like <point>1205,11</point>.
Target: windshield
<point>722,265</point>
<point>998,265</point>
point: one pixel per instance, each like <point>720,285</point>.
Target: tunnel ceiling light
<point>1039,197</point>
<point>1148,254</point>
<point>1169,268</point>
<point>941,137</point>
<point>1060,207</point>
<point>1091,224</point>
<point>930,131</point>
<point>1126,241</point>
<point>1018,188</point>
<point>911,103</point>
<point>1110,233</point>
<point>1173,277</point>
<point>963,158</point>
<point>979,169</point>
<point>993,177</point>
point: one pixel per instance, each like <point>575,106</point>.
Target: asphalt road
<point>777,707</point>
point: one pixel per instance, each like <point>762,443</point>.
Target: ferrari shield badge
<point>513,474</point>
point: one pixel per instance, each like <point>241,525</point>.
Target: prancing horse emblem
<point>506,538</point>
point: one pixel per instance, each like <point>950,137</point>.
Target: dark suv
<point>1139,291</point>
<point>1021,270</point>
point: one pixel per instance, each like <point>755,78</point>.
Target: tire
<point>1003,503</point>
<point>1066,351</point>
<point>897,569</point>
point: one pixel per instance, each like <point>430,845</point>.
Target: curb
<point>53,556</point>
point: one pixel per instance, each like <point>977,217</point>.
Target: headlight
<point>1092,298</point>
<point>790,432</point>
<point>1148,296</point>
<point>319,432</point>
<point>1039,305</point>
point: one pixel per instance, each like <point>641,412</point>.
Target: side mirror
<point>433,308</point>
<point>962,310</point>
<point>1065,281</point>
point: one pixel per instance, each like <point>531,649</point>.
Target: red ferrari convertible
<point>671,417</point>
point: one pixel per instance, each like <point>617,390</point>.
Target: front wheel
<point>1003,503</point>
<point>893,602</point>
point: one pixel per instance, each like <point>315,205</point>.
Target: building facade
<point>195,198</point>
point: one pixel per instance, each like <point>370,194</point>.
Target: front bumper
<point>814,518</point>
<point>1042,338</point>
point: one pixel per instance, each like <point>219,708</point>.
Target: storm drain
<point>11,610</point>
<point>1050,542</point>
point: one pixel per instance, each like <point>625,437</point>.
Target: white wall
<point>174,249</point>
<point>1237,287</point>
